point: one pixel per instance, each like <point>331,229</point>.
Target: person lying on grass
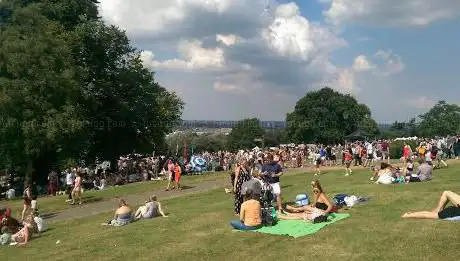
<point>151,209</point>
<point>321,207</point>
<point>250,213</point>
<point>440,212</point>
<point>123,215</point>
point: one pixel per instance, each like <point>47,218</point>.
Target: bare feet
<point>405,215</point>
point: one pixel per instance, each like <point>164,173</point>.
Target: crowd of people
<point>254,175</point>
<point>254,170</point>
<point>134,168</point>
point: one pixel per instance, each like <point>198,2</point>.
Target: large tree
<point>327,116</point>
<point>246,134</point>
<point>441,120</point>
<point>74,87</point>
<point>38,84</point>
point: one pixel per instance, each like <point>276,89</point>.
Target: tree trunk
<point>29,172</point>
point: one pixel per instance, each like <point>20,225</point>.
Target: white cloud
<point>383,62</point>
<point>228,40</point>
<point>156,15</point>
<point>396,13</point>
<point>392,63</point>
<point>361,64</point>
<point>195,57</point>
<point>219,52</point>
<point>223,87</point>
<point>422,102</point>
<point>291,34</point>
<point>353,80</point>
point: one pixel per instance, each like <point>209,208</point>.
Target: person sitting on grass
<point>250,213</point>
<point>385,174</point>
<point>440,212</point>
<point>22,237</point>
<point>321,207</point>
<point>123,215</point>
<point>151,209</point>
<point>424,172</point>
<point>8,224</point>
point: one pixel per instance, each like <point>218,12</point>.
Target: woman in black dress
<point>242,174</point>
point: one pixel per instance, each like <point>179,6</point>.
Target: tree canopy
<point>441,120</point>
<point>74,87</point>
<point>246,134</point>
<point>327,116</point>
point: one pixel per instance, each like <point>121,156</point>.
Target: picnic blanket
<point>299,228</point>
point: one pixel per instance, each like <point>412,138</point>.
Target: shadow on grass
<point>187,187</point>
<point>49,215</point>
<point>92,199</point>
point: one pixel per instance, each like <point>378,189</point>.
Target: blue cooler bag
<point>302,200</point>
<point>339,200</point>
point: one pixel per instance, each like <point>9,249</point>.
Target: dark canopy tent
<point>357,135</point>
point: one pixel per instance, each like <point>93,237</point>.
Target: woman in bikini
<point>321,207</point>
<point>440,212</point>
<point>123,215</point>
<point>27,201</point>
<point>76,192</point>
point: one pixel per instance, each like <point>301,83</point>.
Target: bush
<point>396,148</point>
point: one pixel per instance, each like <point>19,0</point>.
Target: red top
<point>406,151</point>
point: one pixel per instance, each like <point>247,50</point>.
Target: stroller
<point>267,202</point>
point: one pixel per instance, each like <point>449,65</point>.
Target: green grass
<point>198,229</point>
<point>53,204</point>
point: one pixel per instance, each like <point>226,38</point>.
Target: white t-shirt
<point>10,194</point>
<point>33,204</point>
<point>370,149</point>
<point>69,178</point>
<point>41,224</point>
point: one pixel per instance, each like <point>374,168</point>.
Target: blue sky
<point>228,60</point>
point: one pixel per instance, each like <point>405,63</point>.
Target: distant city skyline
<point>216,124</point>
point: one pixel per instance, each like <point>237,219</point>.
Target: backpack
<point>267,202</point>
<point>339,200</point>
<point>302,200</point>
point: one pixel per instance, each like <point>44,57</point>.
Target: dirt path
<point>91,209</point>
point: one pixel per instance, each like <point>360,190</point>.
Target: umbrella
<point>198,163</point>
